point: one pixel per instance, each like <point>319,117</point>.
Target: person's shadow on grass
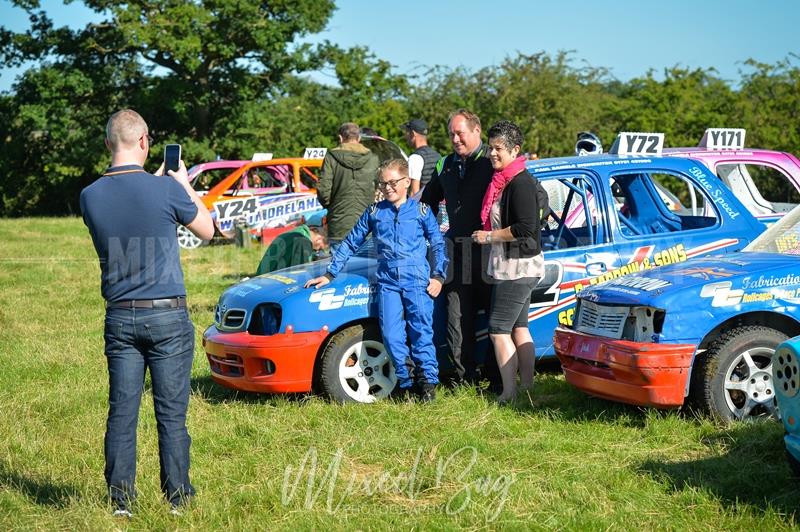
<point>43,492</point>
<point>750,471</point>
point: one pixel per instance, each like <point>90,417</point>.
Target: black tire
<point>372,375</point>
<point>728,386</point>
<point>794,464</point>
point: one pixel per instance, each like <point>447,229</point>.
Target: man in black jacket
<point>461,179</point>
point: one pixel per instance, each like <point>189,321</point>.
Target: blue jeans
<point>161,340</point>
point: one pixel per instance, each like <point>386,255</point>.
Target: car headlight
<point>266,320</point>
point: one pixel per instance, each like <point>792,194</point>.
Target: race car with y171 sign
<point>767,182</point>
<point>272,335</point>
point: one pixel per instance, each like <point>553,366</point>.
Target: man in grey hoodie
<point>347,181</point>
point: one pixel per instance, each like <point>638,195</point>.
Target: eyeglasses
<point>149,138</point>
<point>387,184</point>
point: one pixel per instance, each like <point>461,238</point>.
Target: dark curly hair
<point>508,133</point>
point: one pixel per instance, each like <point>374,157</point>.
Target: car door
<point>577,246</point>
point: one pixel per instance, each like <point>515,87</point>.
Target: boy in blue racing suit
<point>406,285</point>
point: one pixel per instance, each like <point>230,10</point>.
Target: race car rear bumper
<point>645,374</point>
<point>279,363</point>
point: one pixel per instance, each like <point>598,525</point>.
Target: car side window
<point>573,221</point>
<point>308,178</point>
<point>273,178</point>
<point>660,203</point>
<point>762,188</point>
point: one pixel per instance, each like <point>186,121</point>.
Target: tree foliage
<point>229,78</point>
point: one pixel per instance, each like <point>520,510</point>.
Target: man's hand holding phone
<point>173,164</point>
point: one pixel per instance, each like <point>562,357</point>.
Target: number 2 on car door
<point>548,290</point>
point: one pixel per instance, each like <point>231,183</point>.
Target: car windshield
<point>384,149</point>
<point>782,237</point>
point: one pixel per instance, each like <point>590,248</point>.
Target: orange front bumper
<point>281,363</point>
<point>645,374</point>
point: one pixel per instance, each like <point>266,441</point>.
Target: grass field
<point>559,460</point>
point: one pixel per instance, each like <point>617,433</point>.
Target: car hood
<point>277,286</point>
<point>658,287</point>
<point>346,298</point>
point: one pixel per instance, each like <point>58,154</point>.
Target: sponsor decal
<point>640,263</point>
<point>723,295</point>
<point>353,295</point>
<point>718,195</point>
<point>280,278</point>
<point>643,284</point>
<point>243,289</point>
<point>270,211</point>
<point>708,274</point>
<point>587,164</point>
<point>622,290</point>
<point>770,281</point>
<point>788,244</point>
<point>563,306</point>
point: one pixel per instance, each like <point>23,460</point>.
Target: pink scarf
<point>500,179</point>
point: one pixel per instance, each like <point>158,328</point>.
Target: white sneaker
<point>122,512</point>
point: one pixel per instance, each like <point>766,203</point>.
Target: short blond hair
<point>398,165</point>
<point>125,128</point>
<point>472,119</point>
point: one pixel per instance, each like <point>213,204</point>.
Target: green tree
<point>770,104</point>
<point>187,66</point>
<point>546,95</point>
<point>682,105</point>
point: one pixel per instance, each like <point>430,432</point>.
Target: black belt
<point>171,302</point>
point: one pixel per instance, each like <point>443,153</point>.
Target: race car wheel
<point>356,367</point>
<point>734,379</point>
<point>187,240</point>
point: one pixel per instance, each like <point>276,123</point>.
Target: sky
<point>627,37</point>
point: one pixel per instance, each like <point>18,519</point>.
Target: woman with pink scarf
<point>510,215</point>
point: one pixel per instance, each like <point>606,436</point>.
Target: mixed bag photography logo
<point>452,481</point>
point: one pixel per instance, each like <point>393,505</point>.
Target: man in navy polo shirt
<point>132,217</point>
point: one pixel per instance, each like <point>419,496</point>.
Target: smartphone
<point>172,157</point>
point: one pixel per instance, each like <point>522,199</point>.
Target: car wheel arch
<point>779,322</point>
<point>317,372</point>
<point>701,391</point>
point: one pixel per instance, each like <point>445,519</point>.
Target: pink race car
<point>766,181</point>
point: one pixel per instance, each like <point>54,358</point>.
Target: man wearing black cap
<point>421,163</point>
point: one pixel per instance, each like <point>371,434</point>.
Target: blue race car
<point>609,219</point>
<point>704,330</point>
<point>786,367</point>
